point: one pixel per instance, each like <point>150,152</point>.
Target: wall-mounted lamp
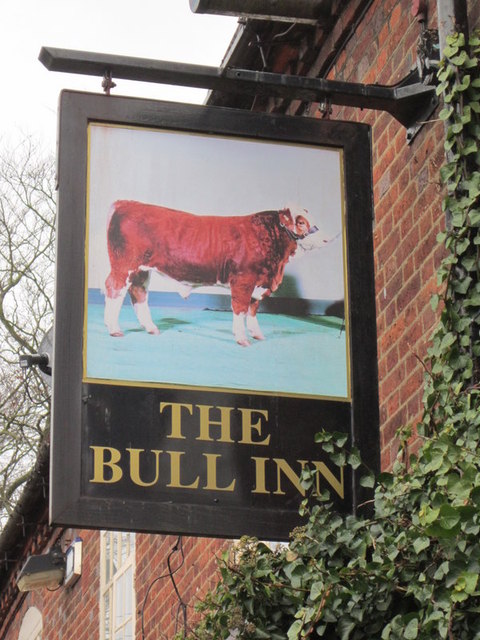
<point>308,11</point>
<point>43,571</point>
<point>73,563</point>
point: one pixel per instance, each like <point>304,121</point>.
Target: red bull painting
<point>215,262</point>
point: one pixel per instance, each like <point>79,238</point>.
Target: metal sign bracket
<point>410,102</point>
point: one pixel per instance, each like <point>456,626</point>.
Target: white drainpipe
<point>452,17</point>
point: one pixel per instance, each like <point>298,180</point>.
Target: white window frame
<point>32,625</point>
<point>117,585</point>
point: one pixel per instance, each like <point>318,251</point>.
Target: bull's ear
<point>286,218</point>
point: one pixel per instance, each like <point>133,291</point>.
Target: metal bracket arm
<point>409,102</point>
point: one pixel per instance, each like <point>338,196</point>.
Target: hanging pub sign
<point>214,311</point>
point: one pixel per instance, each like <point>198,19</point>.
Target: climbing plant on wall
<point>411,568</point>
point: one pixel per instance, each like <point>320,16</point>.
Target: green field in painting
<point>301,355</point>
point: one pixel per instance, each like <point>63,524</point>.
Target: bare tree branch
<point>27,229</point>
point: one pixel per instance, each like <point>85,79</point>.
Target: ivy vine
<point>410,571</point>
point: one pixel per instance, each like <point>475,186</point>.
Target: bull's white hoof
<point>144,317</point>
<point>239,330</point>
<point>111,314</point>
<point>254,328</point>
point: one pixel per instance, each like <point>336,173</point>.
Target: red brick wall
<point>407,201</point>
<point>197,574</point>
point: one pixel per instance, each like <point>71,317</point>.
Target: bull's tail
<point>116,240</point>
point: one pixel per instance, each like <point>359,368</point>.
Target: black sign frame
<point>89,418</point>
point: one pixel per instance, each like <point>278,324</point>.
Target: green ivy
<point>410,571</point>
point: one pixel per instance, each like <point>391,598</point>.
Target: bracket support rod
<point>408,102</point>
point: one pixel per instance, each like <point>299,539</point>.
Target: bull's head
<point>300,228</point>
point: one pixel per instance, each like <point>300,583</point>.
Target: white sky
<point>158,29</point>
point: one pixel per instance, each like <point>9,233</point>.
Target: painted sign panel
<point>214,311</point>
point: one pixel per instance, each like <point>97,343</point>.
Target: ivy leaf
<point>354,459</point>
<point>294,632</point>
<point>447,171</point>
<point>340,438</point>
<point>317,590</point>
<point>475,495</point>
<point>446,113</point>
<point>462,246</point>
<point>463,285</point>
<point>345,628</point>
<point>368,481</point>
<point>475,106</point>
<point>464,84</point>
<point>451,50</point>
<point>448,517</point>
<point>421,543</point>
<point>469,581</point>
<point>447,341</point>
<point>428,514</point>
<point>442,571</point>
<point>249,605</point>
<point>470,264</point>
<point>460,59</point>
<point>386,479</point>
<point>466,116</point>
<point>469,147</point>
<point>338,458</point>
<point>411,630</point>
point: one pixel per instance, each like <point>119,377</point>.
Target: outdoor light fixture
<point>307,11</point>
<point>73,563</point>
<point>43,571</point>
<point>42,360</point>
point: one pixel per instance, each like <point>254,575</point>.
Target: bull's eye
<point>302,225</point>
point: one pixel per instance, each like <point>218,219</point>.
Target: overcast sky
<point>159,29</point>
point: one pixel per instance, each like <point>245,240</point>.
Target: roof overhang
<point>305,11</point>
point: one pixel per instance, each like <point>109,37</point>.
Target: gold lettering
<point>135,467</point>
<point>283,466</point>
<point>212,474</point>
<point>337,485</point>
<point>248,426</point>
<point>260,486</point>
<point>223,423</point>
<point>175,472</point>
<point>99,464</point>
<point>176,417</point>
